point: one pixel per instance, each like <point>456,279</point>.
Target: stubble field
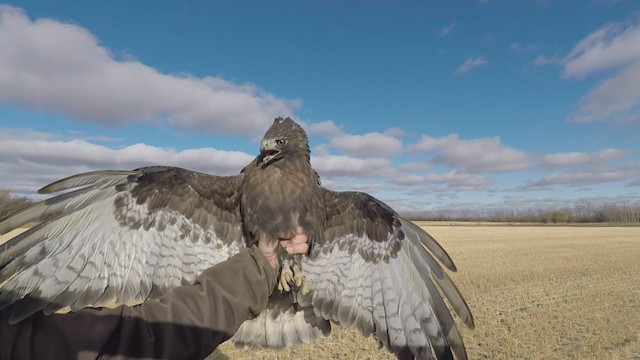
<point>536,292</point>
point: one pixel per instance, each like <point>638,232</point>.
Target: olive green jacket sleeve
<point>188,322</point>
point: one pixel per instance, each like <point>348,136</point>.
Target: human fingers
<point>299,238</point>
<point>298,248</point>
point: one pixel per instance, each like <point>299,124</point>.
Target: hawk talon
<point>286,279</point>
<point>293,280</point>
<point>300,281</point>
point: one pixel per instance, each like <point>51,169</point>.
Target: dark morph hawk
<point>131,235</point>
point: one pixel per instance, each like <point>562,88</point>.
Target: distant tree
<point>561,216</point>
<point>582,212</point>
<point>10,204</point>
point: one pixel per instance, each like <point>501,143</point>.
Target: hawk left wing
<point>380,274</point>
<point>122,236</point>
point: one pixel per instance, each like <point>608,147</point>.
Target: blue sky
<point>427,105</point>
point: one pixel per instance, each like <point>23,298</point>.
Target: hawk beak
<point>268,150</point>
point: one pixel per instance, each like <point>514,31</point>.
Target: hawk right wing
<point>381,274</point>
<point>123,236</point>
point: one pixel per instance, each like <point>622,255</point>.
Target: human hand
<point>296,243</point>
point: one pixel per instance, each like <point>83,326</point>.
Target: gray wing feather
<point>88,178</point>
<point>281,325</point>
<point>71,201</point>
<point>126,237</point>
<point>378,273</point>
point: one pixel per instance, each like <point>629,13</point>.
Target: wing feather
<point>282,324</point>
<point>124,236</point>
<point>382,275</point>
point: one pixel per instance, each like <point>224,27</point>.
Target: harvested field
<point>537,292</point>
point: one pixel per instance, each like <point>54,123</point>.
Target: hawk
<point>128,236</point>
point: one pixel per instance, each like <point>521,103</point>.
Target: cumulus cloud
<point>49,65</point>
<point>371,145</point>
<point>617,98</point>
<point>581,158</point>
<point>413,167</point>
<point>409,180</point>
<point>30,162</point>
<point>346,166</point>
<point>471,63</point>
<point>395,132</point>
<point>323,128</point>
<point>473,156</point>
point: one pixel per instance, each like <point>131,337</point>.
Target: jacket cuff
<point>263,263</point>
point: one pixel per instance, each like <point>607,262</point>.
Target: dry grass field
<point>537,292</point>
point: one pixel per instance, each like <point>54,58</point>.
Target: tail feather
<point>282,324</point>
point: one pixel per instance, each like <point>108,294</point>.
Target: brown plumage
<point>132,235</point>
<point>282,192</point>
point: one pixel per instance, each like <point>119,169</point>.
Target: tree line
<point>10,204</point>
<point>580,212</point>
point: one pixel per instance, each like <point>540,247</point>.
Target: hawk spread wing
<point>375,272</point>
<point>124,236</point>
<point>127,236</point>
<point>378,273</point>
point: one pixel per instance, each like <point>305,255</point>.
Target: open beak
<point>268,150</point>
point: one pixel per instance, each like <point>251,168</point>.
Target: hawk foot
<point>292,279</point>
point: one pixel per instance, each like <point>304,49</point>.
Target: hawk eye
<point>281,142</point>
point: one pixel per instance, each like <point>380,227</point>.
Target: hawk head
<point>284,138</point>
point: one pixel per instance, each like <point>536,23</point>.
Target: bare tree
<point>11,204</point>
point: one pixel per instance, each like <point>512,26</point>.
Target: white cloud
<point>409,180</point>
<point>30,162</point>
<point>320,150</point>
<point>615,99</point>
<point>580,178</point>
<point>459,179</point>
<point>611,46</point>
<point>542,60</point>
<point>447,29</point>
<point>581,158</point>
<point>471,63</point>
<point>473,156</point>
<point>331,166</point>
<point>323,128</point>
<point>371,145</point>
<point>395,132</point>
<point>53,66</point>
<point>452,179</point>
<point>413,167</point>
